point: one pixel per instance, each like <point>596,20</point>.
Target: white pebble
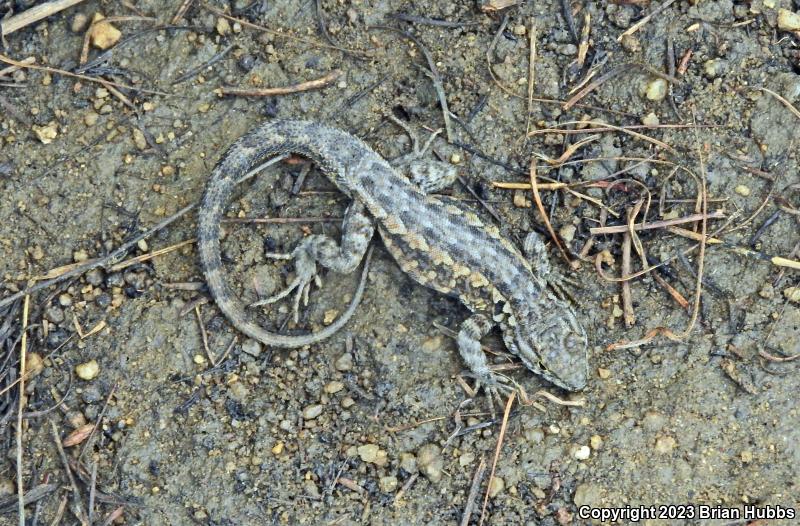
<point>87,371</point>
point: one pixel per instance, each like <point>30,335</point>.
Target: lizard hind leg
<point>357,230</point>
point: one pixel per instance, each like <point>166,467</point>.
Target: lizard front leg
<point>357,230</point>
<point>469,346</point>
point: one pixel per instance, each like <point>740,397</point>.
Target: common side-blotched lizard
<point>437,241</point>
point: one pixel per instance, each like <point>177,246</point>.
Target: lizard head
<point>552,344</point>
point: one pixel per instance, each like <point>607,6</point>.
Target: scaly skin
<point>436,241</point>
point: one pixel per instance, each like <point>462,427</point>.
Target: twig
<point>474,488</point>
<point>150,255</point>
<point>197,69</point>
<point>92,490</point>
<point>773,358</point>
<point>627,298</point>
<point>635,27</point>
<point>76,494</point>
<point>204,335</point>
<point>531,73</point>
<point>424,20</point>
<point>613,73</point>
<point>569,18</point>
<point>782,101</point>
<point>114,515</point>
<point>269,92</point>
<point>97,422</point>
<point>33,15</point>
<point>618,229</point>
<point>538,200</point>
<point>184,7</point>
<point>99,262</point>
<point>501,435</point>
<point>11,69</point>
<point>87,78</point>
<point>21,390</point>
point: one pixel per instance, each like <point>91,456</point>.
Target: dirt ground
<point>179,419</point>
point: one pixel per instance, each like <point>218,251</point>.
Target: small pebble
<point>94,277</point>
<point>430,462</point>
<point>54,314</point>
<point>75,419</point>
<point>34,364</point>
<point>91,394</point>
<point>792,294</point>
<point>455,158</point>
<point>788,20</point>
<point>582,453</point>
<point>251,347</point>
<point>142,245</point>
<point>103,300</point>
<point>656,89</point>
<point>46,134</point>
<point>103,35</point>
<point>369,452</point>
<point>651,119</point>
<point>79,22</point>
<point>715,67</point>
<point>521,200</point>
<point>79,256</point>
<point>767,291</point>
<point>139,139</point>
<point>387,484</point>
<point>665,444</point>
<point>596,442</point>
<point>223,27</point>
<point>313,411</point>
<point>604,374</point>
<point>329,316</point>
<point>88,370</point>
<point>246,62</point>
<point>277,449</point>
<point>742,190</point>
<point>65,300</point>
<point>567,232</point>
<point>344,362</point>
<point>496,486</point>
<point>90,119</point>
<point>408,462</point>
<point>6,487</point>
<point>37,253</point>
<point>333,387</point>
<point>199,359</point>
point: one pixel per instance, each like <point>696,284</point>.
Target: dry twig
<point>319,83</point>
<point>33,15</point>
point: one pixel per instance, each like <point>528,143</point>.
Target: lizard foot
<point>496,389</point>
<point>305,274</point>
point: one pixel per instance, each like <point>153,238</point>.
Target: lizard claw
<point>306,273</point>
<point>495,387</point>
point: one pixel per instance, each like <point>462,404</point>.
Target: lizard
<point>439,242</point>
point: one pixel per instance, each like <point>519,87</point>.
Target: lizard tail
<point>265,141</point>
